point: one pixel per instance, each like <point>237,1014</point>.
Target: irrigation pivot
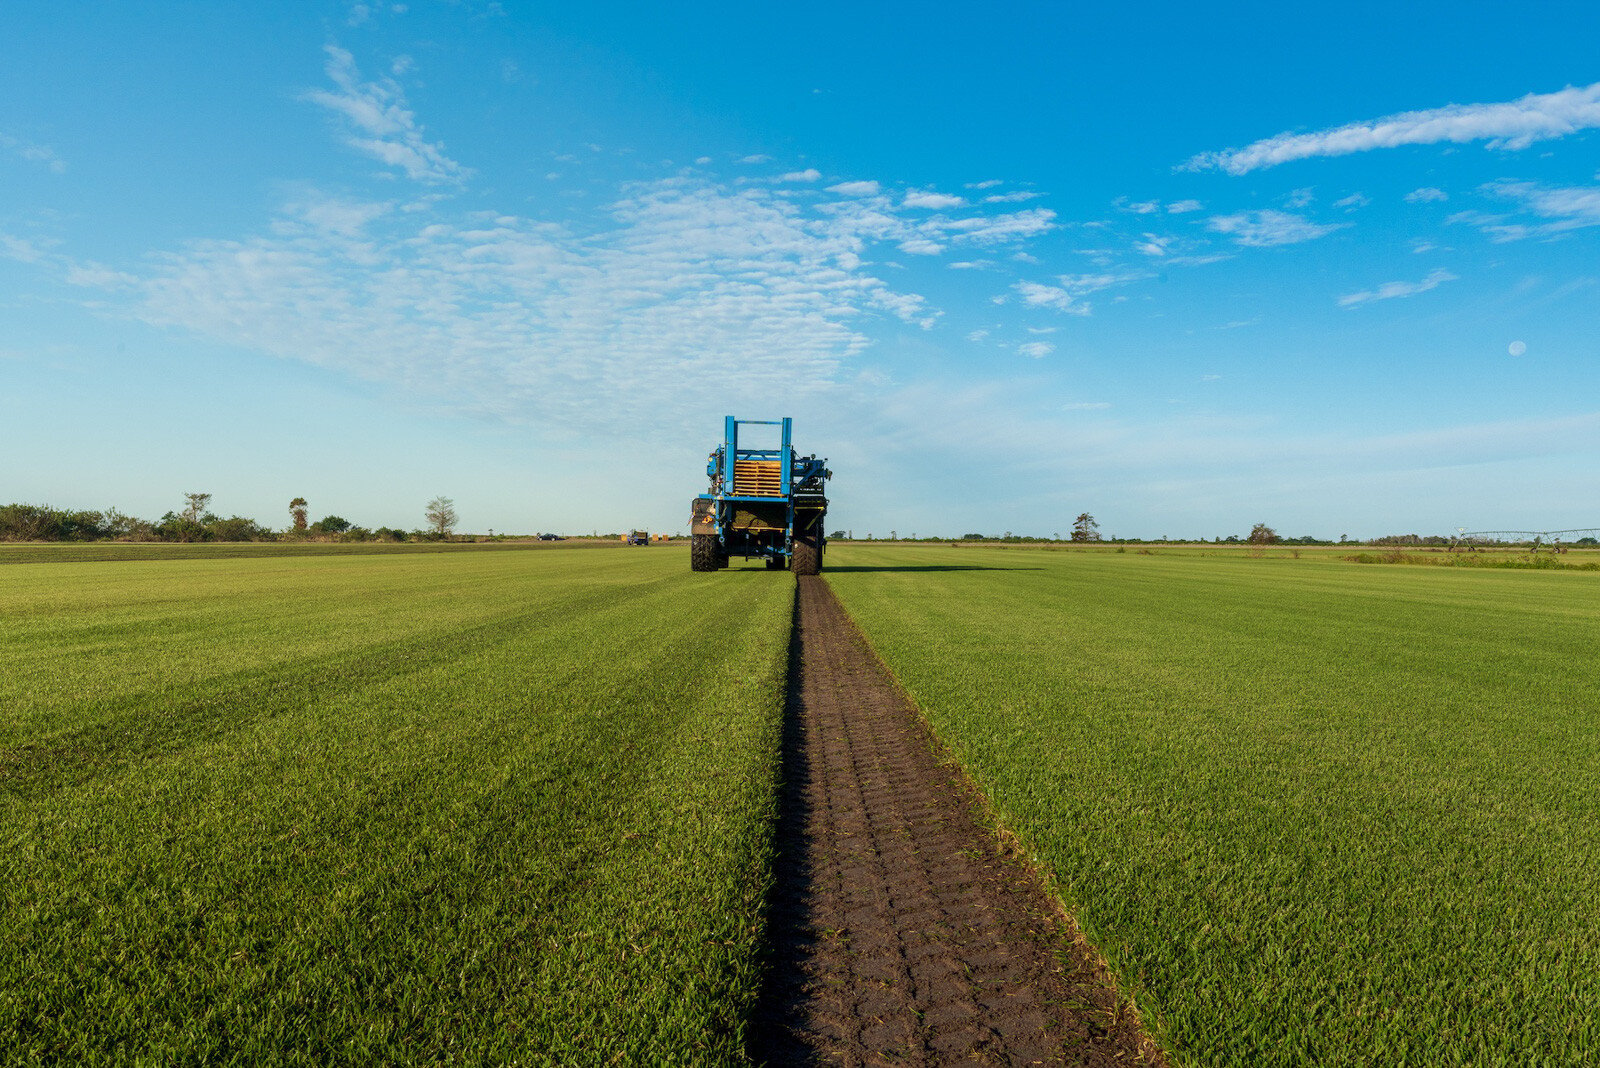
<point>1479,539</point>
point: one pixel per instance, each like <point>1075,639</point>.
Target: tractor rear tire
<point>703,552</point>
<point>807,556</point>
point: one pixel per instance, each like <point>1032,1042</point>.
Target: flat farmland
<point>1311,811</point>
<point>466,807</point>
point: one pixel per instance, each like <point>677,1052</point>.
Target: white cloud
<point>1265,228</point>
<point>1152,245</point>
<point>810,174</point>
<point>1427,194</point>
<point>977,335</point>
<point>1353,201</point>
<point>1011,198</point>
<point>33,153</point>
<point>971,265</point>
<point>1036,295</point>
<point>684,295</point>
<point>855,189</point>
<point>995,229</point>
<point>986,184</point>
<point>381,125</point>
<point>920,246</point>
<point>1180,207</point>
<point>22,250</point>
<point>1391,290</point>
<point>1299,198</point>
<point>1514,124</point>
<point>1137,207</point>
<point>1566,208</point>
<point>1086,406</point>
<point>1036,349</point>
<point>927,198</point>
<point>756,159</point>
<point>1068,294</point>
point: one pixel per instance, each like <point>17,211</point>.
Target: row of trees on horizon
<point>196,522</point>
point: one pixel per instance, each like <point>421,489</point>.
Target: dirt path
<point>901,932</point>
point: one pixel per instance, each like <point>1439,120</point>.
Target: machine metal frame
<point>765,504</point>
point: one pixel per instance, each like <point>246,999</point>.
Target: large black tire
<point>703,552</point>
<point>776,563</point>
<point>807,555</point>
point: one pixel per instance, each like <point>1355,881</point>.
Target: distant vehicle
<point>639,537</point>
<point>551,537</point>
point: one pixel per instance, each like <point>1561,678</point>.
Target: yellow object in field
<point>758,478</point>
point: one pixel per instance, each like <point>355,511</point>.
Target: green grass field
<point>504,807</point>
<point>1314,812</point>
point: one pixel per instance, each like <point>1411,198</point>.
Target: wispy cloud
<point>1426,195</point>
<point>1181,207</point>
<point>925,198</point>
<point>1513,124</point>
<point>810,174</point>
<point>1353,201</point>
<point>1036,349</point>
<point>380,123</point>
<point>682,293</point>
<point>1566,208</point>
<point>1391,290</point>
<point>1152,245</point>
<point>1266,228</point>
<point>33,153</point>
<point>1036,295</point>
<point>855,189</point>
<point>1067,295</point>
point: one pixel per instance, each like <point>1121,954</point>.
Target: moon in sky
<point>1517,348</point>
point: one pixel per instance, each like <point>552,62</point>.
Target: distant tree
<point>1084,528</point>
<point>237,528</point>
<point>1261,534</point>
<point>332,524</point>
<point>297,512</point>
<point>175,527</point>
<point>441,516</point>
<point>196,506</point>
<point>838,534</point>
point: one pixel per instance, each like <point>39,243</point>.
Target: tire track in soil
<point>900,930</point>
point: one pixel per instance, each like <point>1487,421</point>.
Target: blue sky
<point>1334,269</point>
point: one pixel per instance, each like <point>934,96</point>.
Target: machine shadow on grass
<point>923,567</point>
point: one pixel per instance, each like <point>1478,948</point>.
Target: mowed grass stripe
<point>534,828</point>
<point>1314,812</point>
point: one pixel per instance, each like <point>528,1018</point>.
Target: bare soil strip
<point>902,931</point>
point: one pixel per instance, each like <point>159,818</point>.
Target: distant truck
<point>762,503</point>
<point>638,537</point>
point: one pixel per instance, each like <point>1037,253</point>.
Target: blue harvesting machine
<point>763,503</point>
